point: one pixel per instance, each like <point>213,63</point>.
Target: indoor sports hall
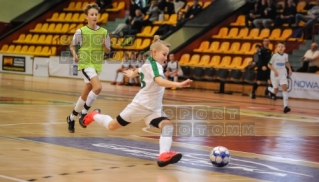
<point>214,44</point>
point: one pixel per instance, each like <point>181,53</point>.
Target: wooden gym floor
<point>35,144</point>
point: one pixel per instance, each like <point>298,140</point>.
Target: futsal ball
<point>219,156</point>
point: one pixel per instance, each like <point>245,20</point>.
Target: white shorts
<point>88,74</point>
<point>133,113</point>
<point>280,80</point>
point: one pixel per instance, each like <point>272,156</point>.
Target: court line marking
<point>11,178</point>
<point>194,145</point>
<point>31,124</point>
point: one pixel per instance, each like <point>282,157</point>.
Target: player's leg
<point>275,85</point>
<point>79,105</point>
<point>284,85</point>
<point>116,75</point>
<point>166,156</point>
<point>92,76</point>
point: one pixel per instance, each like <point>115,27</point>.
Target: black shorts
<point>263,75</point>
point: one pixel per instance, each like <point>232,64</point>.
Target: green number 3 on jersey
<point>143,84</point>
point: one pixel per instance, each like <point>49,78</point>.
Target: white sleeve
<point>272,60</point>
<point>286,58</point>
<point>77,38</point>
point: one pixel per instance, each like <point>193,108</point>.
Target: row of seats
<point>79,6</point>
<point>28,50</point>
<point>254,33</point>
<point>214,61</point>
<point>56,28</point>
<point>138,43</point>
<point>203,4</point>
<point>148,31</point>
<point>76,17</point>
<point>245,48</point>
<point>44,39</point>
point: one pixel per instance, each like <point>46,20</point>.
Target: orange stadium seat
<point>264,33</point>
<point>232,33</point>
<point>116,7</point>
<point>207,3</point>
<point>275,34</point>
<point>17,49</point>
<point>70,7</point>
<point>240,21</point>
<point>246,62</point>
<point>215,60</point>
<point>225,62</point>
<point>204,60</point>
<point>184,59</point>
<point>203,46</point>
<point>243,33</point>
<point>194,60</point>
<point>222,32</point>
<point>4,48</point>
<point>300,6</point>
<point>245,47</point>
<point>223,47</point>
<point>24,50</point>
<point>214,46</point>
<point>236,62</point>
<point>54,17</point>
<point>254,33</point>
<point>20,39</point>
<point>233,48</point>
<point>37,28</point>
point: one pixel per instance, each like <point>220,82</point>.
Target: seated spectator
<point>136,24</point>
<point>124,66</point>
<point>104,3</point>
<point>153,13</point>
<point>173,69</point>
<point>134,65</point>
<point>133,8</point>
<point>310,60</point>
<point>288,15</point>
<point>312,14</point>
<point>268,17</point>
<point>165,29</point>
<point>193,10</point>
<point>255,13</point>
<point>178,5</point>
<point>166,7</point>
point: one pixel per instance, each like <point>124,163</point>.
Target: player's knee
<point>97,89</point>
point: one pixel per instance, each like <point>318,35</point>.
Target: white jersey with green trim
<point>278,61</point>
<point>151,94</point>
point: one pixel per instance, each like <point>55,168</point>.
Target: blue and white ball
<point>219,156</point>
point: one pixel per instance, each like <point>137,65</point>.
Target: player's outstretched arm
<point>166,83</point>
<point>130,73</point>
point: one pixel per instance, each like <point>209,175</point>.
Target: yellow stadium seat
<point>54,17</point>
<point>222,32</point>
<point>233,48</point>
<point>41,39</point>
<point>72,28</point>
<point>285,34</point>
<point>146,30</point>
<point>51,28</point>
<point>53,51</point>
<point>243,33</point>
<point>120,6</point>
<point>48,39</point>
<point>146,17</point>
<point>194,60</point>
<point>264,33</point>
<point>4,48</point>
<point>70,7</point>
<point>146,43</point>
<point>223,47</point>
<point>11,49</point>
<point>21,39</point>
<point>203,46</point>
<point>118,44</point>
<point>65,28</point>
<point>282,3</point>
<point>252,49</point>
<point>240,21</point>
<point>58,28</point>
<point>275,34</point>
<point>81,18</point>
<point>300,6</point>
<point>34,39</point>
<point>232,33</point>
<point>67,18</point>
<point>45,51</point>
<point>244,48</point>
<point>214,46</point>
<point>38,50</point>
<point>225,62</point>
<point>75,17</point>
<point>37,28</point>
<point>236,62</point>
<point>24,50</point>
<point>55,40</point>
<point>17,49</point>
<point>254,33</point>
<point>204,60</point>
<point>246,62</point>
<point>184,59</point>
<point>103,19</point>
<point>117,56</point>
<point>44,28</point>
<point>61,17</point>
<point>215,60</point>
<point>31,50</point>
<point>78,6</point>
<point>172,20</point>
<point>166,16</point>
<point>83,5</point>
<point>28,38</point>
<point>154,29</point>
<point>207,3</point>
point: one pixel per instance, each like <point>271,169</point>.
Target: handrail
<point>305,27</point>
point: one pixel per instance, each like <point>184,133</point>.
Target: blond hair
<point>90,6</point>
